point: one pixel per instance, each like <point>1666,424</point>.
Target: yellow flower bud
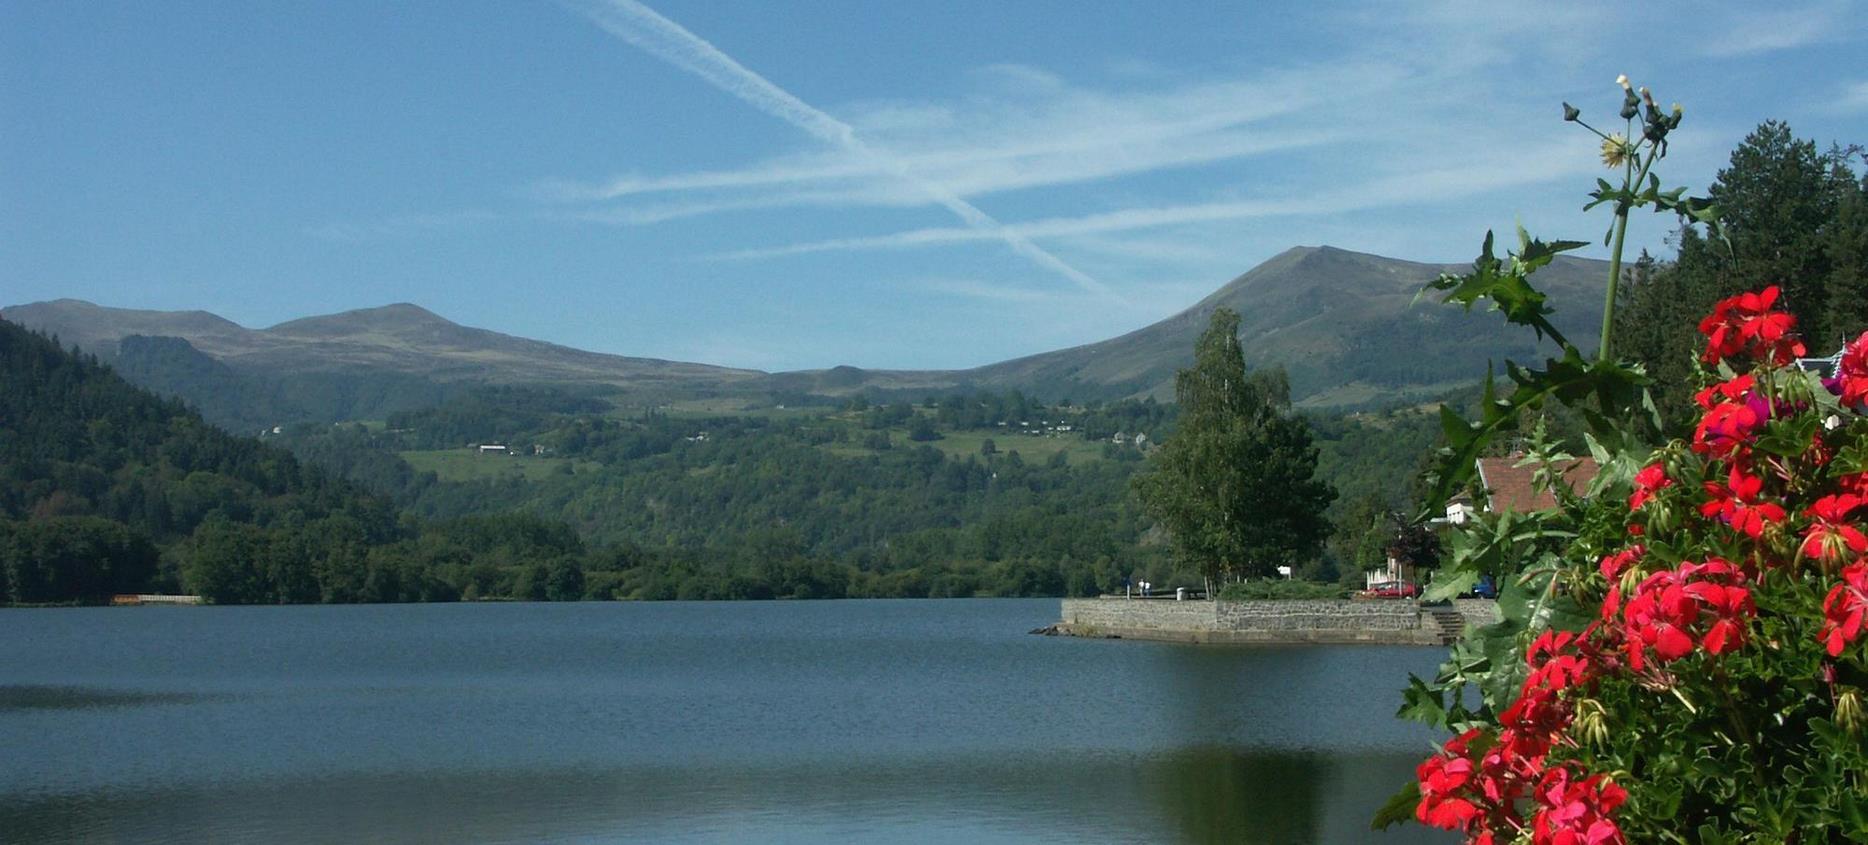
<point>1849,710</point>
<point>1592,722</point>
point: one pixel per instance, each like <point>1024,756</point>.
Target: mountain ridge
<point>1339,321</point>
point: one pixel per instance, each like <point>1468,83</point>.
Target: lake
<point>911,720</point>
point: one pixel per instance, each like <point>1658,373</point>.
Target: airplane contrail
<point>669,41</point>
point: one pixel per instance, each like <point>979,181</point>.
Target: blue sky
<point>792,185</point>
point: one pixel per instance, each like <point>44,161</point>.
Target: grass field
<point>468,465</point>
<point>963,443</point>
<point>960,444</point>
<point>732,407</point>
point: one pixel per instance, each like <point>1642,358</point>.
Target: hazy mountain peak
<point>97,328</point>
<point>394,318</point>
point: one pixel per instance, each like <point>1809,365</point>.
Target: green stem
<point>1615,277</point>
<point>1615,250</point>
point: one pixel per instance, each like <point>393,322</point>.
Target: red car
<point>1395,590</point>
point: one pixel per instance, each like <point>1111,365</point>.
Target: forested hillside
<point>951,495</point>
<point>106,488</point>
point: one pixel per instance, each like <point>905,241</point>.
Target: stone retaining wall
<point>1478,612</point>
<point>1391,621</point>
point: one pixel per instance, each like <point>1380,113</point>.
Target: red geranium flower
<point>1830,538</point>
<point>1845,609</point>
<point>1650,480</point>
<point>1669,607</point>
<point>1746,324</point>
<point>1737,504</point>
<point>1853,372</point>
<point>1576,812</point>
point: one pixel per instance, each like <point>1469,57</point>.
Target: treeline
<point>742,506</point>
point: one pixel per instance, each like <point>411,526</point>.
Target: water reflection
<point>47,697</point>
<point>1198,796</point>
<point>781,721</point>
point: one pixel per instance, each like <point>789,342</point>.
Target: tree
<point>1235,485</point>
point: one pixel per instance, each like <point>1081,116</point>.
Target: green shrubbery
<point>1275,589</point>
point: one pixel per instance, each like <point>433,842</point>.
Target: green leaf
<point>1788,437</point>
<point>1423,704</point>
<point>1453,587</point>
<point>1399,808</point>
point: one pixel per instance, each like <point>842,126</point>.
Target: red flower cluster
<point>1670,608</point>
<point>1479,781</point>
<point>1614,565</point>
<point>1746,325</point>
<point>1739,503</point>
<point>1845,609</point>
<point>1830,538</point>
<point>1852,373</point>
<point>1650,480</point>
<point>1734,413</point>
<point>1577,811</point>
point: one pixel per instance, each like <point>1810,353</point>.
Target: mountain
<point>362,364</point>
<point>399,338</point>
<point>1342,323</point>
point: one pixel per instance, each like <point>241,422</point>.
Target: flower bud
<point>1592,722</point>
<point>1622,80</point>
<point>1571,113</point>
<point>1631,579</point>
<point>1849,715</point>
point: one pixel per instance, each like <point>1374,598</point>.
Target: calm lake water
<point>870,721</point>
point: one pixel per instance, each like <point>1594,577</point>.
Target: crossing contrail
<point>669,41</point>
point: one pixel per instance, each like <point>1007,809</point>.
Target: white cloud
<point>1852,98</point>
<point>1761,31</point>
<point>1410,184</point>
<point>643,27</point>
<point>402,225</point>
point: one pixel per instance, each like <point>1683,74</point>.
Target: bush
<point>1277,589</point>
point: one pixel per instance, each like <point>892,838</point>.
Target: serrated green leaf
<point>1399,807</point>
<point>1451,587</point>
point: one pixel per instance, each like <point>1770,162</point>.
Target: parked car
<point>1395,590</point>
<point>1484,589</point>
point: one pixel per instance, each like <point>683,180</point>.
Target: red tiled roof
<point>1510,487</point>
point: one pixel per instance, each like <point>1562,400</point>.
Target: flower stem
<point>1615,250</point>
<point>1615,277</point>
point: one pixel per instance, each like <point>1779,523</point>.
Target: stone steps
<point>1448,620</point>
